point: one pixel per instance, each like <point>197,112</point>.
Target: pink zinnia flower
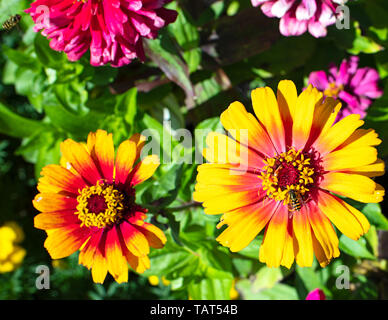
<point>316,294</point>
<point>298,16</point>
<point>356,87</point>
<point>111,29</point>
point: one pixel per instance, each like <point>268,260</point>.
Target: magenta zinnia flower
<point>298,16</point>
<point>356,87</point>
<point>316,294</point>
<point>111,29</point>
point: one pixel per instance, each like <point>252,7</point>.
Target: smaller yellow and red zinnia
<point>283,172</point>
<point>87,203</point>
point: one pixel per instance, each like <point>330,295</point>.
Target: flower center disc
<point>290,170</point>
<point>100,205</point>
<point>333,90</point>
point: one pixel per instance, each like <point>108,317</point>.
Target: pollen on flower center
<point>100,205</point>
<point>290,170</point>
<point>333,90</point>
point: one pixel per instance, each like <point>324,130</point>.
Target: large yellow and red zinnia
<point>88,204</point>
<point>284,172</point>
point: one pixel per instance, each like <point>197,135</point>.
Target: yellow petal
<point>324,232</point>
<point>375,169</point>
<point>230,201</point>
<point>126,156</point>
<point>145,169</point>
<point>348,185</point>
<point>376,197</point>
<point>304,115</point>
<point>155,236</point>
<point>271,250</point>
<point>245,224</point>
<point>79,159</point>
<point>337,134</point>
<point>319,252</point>
<point>224,150</point>
<point>134,239</point>
<point>362,138</point>
<point>53,202</point>
<point>287,96</point>
<point>267,111</point>
<point>302,230</point>
<point>209,175</point>
<point>347,219</point>
<point>62,242</point>
<point>236,119</point>
<point>288,252</point>
<point>99,268</point>
<point>324,117</point>
<point>348,158</point>
<point>103,153</point>
<point>139,264</point>
<point>139,141</point>
<point>117,263</point>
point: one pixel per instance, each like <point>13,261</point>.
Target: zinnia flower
<point>88,204</point>
<point>284,172</point>
<point>11,255</point>
<point>356,87</point>
<point>112,30</point>
<point>316,294</point>
<point>298,16</point>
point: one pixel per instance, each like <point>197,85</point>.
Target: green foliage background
<point>212,55</point>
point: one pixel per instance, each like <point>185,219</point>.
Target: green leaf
<point>278,292</point>
<point>185,33</point>
<point>356,249</point>
<point>42,148</point>
<point>252,250</point>
<point>11,7</point>
<point>29,82</point>
<point>266,278</point>
<point>309,280</point>
<point>162,52</point>
<point>363,44</point>
<point>21,58</point>
<point>126,105</point>
<point>233,8</point>
<point>215,263</point>
<point>372,237</point>
<point>16,126</point>
<point>174,227</point>
<point>187,36</point>
<point>9,72</point>
<point>178,263</point>
<point>373,212</point>
<point>47,56</point>
<point>80,126</point>
<point>161,140</point>
<point>71,95</point>
<point>210,289</point>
